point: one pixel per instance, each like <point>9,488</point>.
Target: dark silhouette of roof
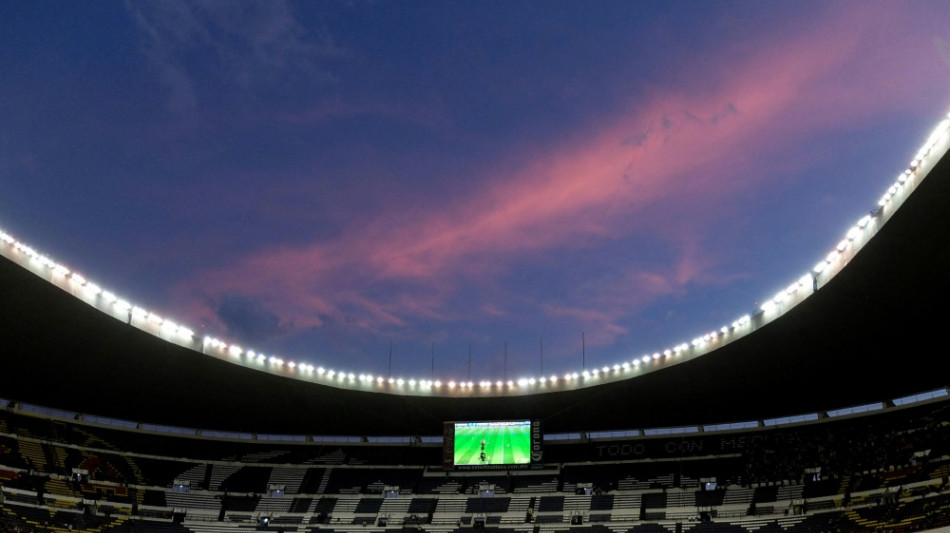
<point>874,332</point>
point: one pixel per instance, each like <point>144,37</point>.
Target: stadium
<point>824,410</point>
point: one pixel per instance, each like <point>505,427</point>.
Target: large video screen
<point>492,443</point>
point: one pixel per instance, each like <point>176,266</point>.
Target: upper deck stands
<point>631,492</point>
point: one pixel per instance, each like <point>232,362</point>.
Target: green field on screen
<point>492,443</point>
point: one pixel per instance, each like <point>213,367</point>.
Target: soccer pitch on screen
<point>492,443</point>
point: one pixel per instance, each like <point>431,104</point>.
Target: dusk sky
<point>324,180</point>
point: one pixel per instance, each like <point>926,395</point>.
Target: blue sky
<point>325,180</point>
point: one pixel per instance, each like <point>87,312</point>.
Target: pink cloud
<point>698,145</point>
<point>603,306</point>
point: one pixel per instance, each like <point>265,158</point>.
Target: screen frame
<point>532,450</point>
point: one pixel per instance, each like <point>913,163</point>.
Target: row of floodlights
<point>171,329</point>
<point>138,315</point>
<point>618,369</point>
<point>87,289</point>
<point>937,137</point>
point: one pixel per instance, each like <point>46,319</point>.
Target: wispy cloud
<point>431,114</point>
<point>205,50</point>
<point>659,168</point>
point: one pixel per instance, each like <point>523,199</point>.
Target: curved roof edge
<point>829,325</point>
<point>172,331</point>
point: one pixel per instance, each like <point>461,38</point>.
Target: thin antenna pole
<point>469,361</point>
<point>583,352</point>
<point>433,360</point>
<point>390,358</point>
<point>506,360</point>
<point>542,355</point>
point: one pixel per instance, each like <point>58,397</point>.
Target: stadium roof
<point>871,333</point>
